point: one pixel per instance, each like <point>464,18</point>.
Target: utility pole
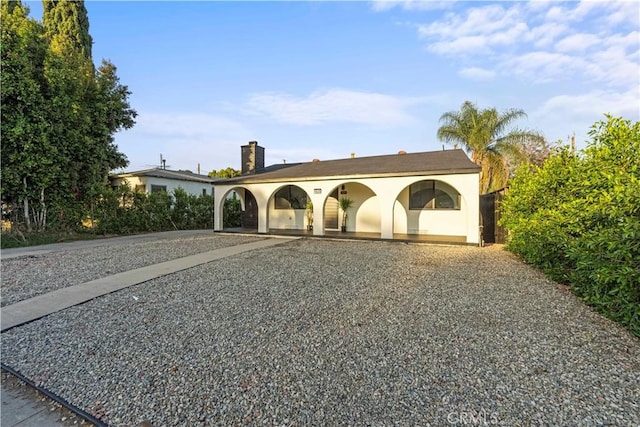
<point>573,143</point>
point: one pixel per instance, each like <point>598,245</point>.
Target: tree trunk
<point>93,225</point>
<point>43,212</point>
<point>25,205</point>
<point>478,158</point>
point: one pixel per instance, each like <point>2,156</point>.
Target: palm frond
<point>482,133</point>
<point>507,118</point>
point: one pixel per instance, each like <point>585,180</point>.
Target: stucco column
<point>218,207</point>
<point>472,195</point>
<point>263,214</point>
<point>386,218</point>
<point>318,214</point>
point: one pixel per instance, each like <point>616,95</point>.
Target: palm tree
<point>486,136</point>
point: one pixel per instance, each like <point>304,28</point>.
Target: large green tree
<point>59,112</point>
<point>69,20</point>
<point>93,101</point>
<point>224,173</point>
<point>28,157</point>
<point>487,135</point>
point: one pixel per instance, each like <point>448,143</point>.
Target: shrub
<point>123,211</point>
<point>202,211</point>
<point>577,217</point>
<point>232,212</point>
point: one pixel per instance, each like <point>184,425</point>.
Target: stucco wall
<point>446,222</point>
<point>292,219</point>
<point>191,187</point>
<point>378,206</point>
<point>133,182</point>
<point>364,215</point>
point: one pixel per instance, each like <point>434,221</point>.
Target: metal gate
<point>490,214</point>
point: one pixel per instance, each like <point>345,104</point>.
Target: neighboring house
<point>153,180</point>
<point>433,195</point>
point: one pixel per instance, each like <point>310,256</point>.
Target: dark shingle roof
<point>278,166</point>
<point>428,163</point>
<point>168,174</point>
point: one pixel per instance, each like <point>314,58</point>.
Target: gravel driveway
<point>319,332</point>
<point>33,275</point>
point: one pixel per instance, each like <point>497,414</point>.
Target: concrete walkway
<point>20,407</point>
<point>23,407</point>
<point>21,410</point>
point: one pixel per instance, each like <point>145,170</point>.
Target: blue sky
<point>325,79</point>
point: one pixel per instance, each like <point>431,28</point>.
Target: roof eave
<point>153,175</point>
<point>255,180</point>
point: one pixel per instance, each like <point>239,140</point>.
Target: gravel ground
<point>30,276</point>
<point>333,333</point>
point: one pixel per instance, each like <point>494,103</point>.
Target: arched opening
<point>364,214</point>
<point>430,208</point>
<point>432,194</point>
<point>239,210</point>
<point>288,208</point>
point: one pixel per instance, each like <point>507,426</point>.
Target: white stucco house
<point>158,179</point>
<point>430,195</point>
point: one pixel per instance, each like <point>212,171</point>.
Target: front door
<point>250,213</point>
<point>331,211</point>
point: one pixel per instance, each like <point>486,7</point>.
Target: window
<point>291,197</point>
<point>204,191</point>
<point>433,195</point>
<point>158,188</point>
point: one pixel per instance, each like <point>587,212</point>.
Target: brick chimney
<point>252,158</point>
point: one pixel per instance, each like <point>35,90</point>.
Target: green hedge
<point>232,214</point>
<point>578,218</point>
<point>124,211</point>
<point>121,211</point>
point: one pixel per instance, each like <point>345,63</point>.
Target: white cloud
<point>541,66</point>
<point>606,12</point>
<point>334,105</point>
<point>538,6</point>
<point>187,125</point>
<point>489,20</point>
<point>475,32</point>
<point>570,13</point>
<point>478,74</point>
<point>592,105</point>
<point>577,42</point>
<point>461,45</point>
<point>563,115</point>
<point>623,11</point>
<point>543,42</point>
<point>185,140</point>
<point>545,35</point>
<point>629,41</point>
<point>384,5</point>
<point>615,65</point>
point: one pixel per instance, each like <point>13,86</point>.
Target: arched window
<point>432,194</point>
<point>290,197</point>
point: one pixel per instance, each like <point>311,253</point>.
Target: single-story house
<point>433,195</point>
<point>159,179</point>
